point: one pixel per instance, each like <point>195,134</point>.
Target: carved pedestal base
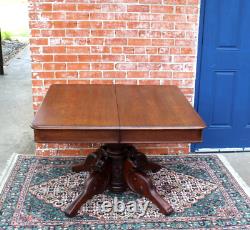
<point>117,167</point>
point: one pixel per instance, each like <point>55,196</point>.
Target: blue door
<point>223,81</point>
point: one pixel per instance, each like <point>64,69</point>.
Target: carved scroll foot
<point>91,161</point>
<point>140,183</point>
<point>96,183</point>
<point>141,161</point>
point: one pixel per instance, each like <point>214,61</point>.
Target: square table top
<point>131,109</point>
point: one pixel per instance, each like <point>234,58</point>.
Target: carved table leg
<point>96,183</point>
<point>140,183</point>
<point>116,167</point>
<point>89,162</point>
<point>141,161</point>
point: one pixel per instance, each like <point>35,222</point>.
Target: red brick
<point>53,33</point>
<point>149,66</point>
<point>139,42</point>
<point>77,16</point>
<point>138,8</point>
<point>183,74</point>
<point>163,42</point>
<point>102,16</point>
<point>54,66</point>
<point>138,74</point>
<point>158,74</point>
<point>114,74</point>
<point>65,58</point>
<point>78,66</point>
<point>66,75</point>
<point>150,1</point>
<point>160,58</point>
<point>138,25</point>
<point>114,24</point>
<point>54,49</point>
<point>64,7</point>
<point>126,82</point>
<point>116,41</point>
<point>64,24</point>
<point>90,24</point>
<point>42,58</point>
<point>100,49</point>
<point>35,6</point>
<point>101,81</point>
<point>38,41</point>
<point>117,49</point>
<point>53,15</point>
<point>42,75</point>
<point>89,58</point>
<point>37,66</point>
<point>102,33</point>
<point>77,49</point>
<point>149,82</point>
<point>126,66</point>
<point>102,66</point>
<point>113,58</point>
<point>137,58</point>
<point>184,59</point>
<point>162,9</point>
<point>88,7</point>
<point>114,8</point>
<point>76,81</point>
<point>48,83</point>
<point>90,74</point>
<point>162,25</point>
<point>126,16</point>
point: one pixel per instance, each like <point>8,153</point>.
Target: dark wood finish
<point>117,167</point>
<point>78,107</point>
<point>117,115</point>
<point>96,183</point>
<point>76,136</point>
<point>160,136</point>
<point>155,107</point>
<point>117,157</point>
<point>139,182</point>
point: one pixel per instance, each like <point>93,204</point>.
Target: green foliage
<point>6,36</point>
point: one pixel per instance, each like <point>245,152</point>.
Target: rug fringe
<point>7,170</point>
<point>237,177</point>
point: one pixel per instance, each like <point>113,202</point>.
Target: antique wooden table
<point>116,116</point>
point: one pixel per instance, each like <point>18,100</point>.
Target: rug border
<point>4,176</point>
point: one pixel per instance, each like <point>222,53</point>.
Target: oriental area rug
<point>202,191</point>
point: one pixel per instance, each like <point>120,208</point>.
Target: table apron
<point>118,136</point>
<point>161,136</point>
<point>76,136</point>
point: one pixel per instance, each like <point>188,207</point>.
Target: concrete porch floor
<point>16,114</point>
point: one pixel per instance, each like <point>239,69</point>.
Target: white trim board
<point>210,150</point>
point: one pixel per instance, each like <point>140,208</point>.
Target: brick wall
<point>112,42</point>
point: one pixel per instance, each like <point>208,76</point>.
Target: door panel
<point>224,85</point>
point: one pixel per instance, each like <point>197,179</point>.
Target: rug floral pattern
<point>201,190</point>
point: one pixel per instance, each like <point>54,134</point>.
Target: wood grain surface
<point>116,114</point>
